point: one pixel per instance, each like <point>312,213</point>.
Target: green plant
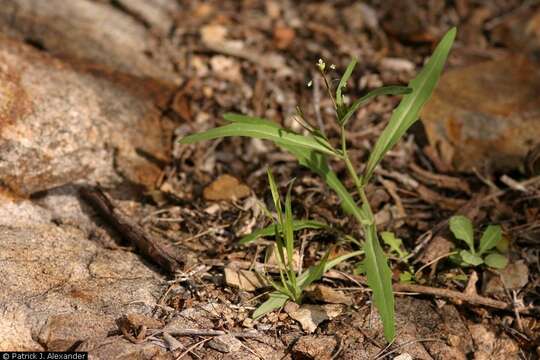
<point>313,150</point>
<point>462,229</point>
<point>395,245</point>
<point>291,282</point>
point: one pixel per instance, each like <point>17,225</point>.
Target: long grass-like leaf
<point>262,131</point>
<point>378,272</point>
<point>275,196</point>
<point>386,90</point>
<point>271,230</point>
<point>277,299</point>
<point>288,227</point>
<point>316,272</point>
<point>239,118</point>
<point>409,109</point>
<point>343,82</point>
<point>379,278</point>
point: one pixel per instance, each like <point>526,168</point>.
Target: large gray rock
<point>158,14</point>
<point>59,288</point>
<point>58,125</point>
<point>92,32</point>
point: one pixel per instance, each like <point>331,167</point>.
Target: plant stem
<point>348,163</point>
<point>328,88</point>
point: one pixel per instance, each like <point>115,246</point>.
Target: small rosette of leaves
<point>485,252</point>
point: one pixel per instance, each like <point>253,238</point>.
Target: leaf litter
<point>272,59</point>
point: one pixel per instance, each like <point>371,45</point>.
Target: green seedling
<point>485,253</point>
<point>395,244</point>
<point>312,150</point>
<point>291,283</point>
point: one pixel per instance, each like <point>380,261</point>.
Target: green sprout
<point>313,150</point>
<point>291,283</point>
<point>462,229</point>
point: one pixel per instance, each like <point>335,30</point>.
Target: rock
<point>226,187</point>
<point>314,347</point>
<point>213,33</point>
<point>244,279</point>
<point>431,322</point>
<point>226,68</point>
<point>15,334</point>
<point>225,343</point>
<point>436,248</point>
<point>327,295</point>
<point>489,345</point>
<point>137,320</point>
<point>310,316</point>
<point>485,114</point>
<point>75,30</point>
<point>59,125</point>
<point>121,349</point>
<point>403,356</point>
<point>520,31</point>
<point>60,288</point>
<point>513,277</point>
<point>159,14</point>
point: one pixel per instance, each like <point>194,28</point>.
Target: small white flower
<point>310,83</point>
<point>321,64</point>
<point>333,66</point>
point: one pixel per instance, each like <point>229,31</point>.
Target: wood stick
<point>206,332</point>
<point>473,299</point>
<point>148,247</point>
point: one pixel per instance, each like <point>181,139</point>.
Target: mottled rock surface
<point>59,287</point>
<point>95,33</point>
<point>58,125</point>
<point>486,114</point>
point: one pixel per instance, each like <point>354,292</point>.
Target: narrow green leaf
<point>275,195</point>
<point>239,118</point>
<point>343,82</point>
<point>490,238</point>
<point>318,163</point>
<point>386,90</point>
<point>280,288</point>
<point>271,230</point>
<point>316,272</point>
<point>263,131</point>
<point>379,278</point>
<point>496,261</point>
<point>409,109</point>
<point>378,272</point>
<point>278,299</point>
<point>470,258</point>
<point>338,260</point>
<point>275,301</point>
<point>288,227</point>
<point>462,229</point>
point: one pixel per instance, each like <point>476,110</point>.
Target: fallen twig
<point>210,332</point>
<point>145,244</point>
<point>469,298</point>
<point>473,299</point>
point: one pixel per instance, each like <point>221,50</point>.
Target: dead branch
<point>127,228</point>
